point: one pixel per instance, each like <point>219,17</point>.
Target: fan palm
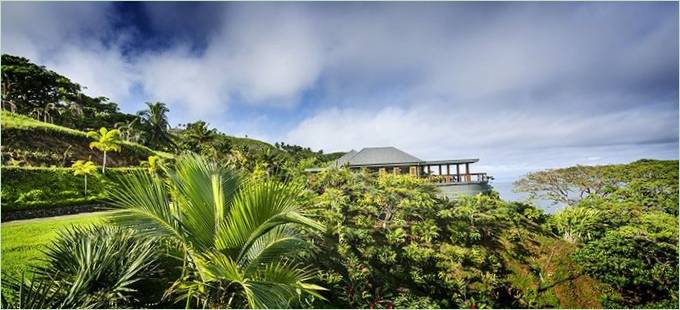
<point>84,168</point>
<point>238,238</point>
<point>107,141</point>
<point>92,267</point>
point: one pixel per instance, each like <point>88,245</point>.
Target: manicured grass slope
<point>44,144</point>
<point>22,240</point>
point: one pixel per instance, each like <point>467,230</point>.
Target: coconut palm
<point>156,120</point>
<point>239,239</point>
<point>197,136</point>
<point>84,168</point>
<point>107,141</point>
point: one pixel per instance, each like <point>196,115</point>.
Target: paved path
<point>65,217</point>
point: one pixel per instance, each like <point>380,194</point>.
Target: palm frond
<point>277,284</point>
<point>236,238</point>
<point>146,207</point>
<point>91,267</point>
<point>271,246</point>
<point>31,294</point>
<point>202,191</point>
<point>258,208</point>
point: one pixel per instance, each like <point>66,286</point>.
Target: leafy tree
<point>29,88</point>
<point>84,168</point>
<point>36,91</point>
<point>625,227</point>
<point>239,240</point>
<point>107,141</point>
<point>639,260</point>
<point>392,242</point>
<point>651,182</point>
<point>155,122</point>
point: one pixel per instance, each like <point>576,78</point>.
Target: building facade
<point>453,177</point>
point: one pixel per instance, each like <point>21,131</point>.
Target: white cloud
<point>104,71</point>
<point>507,142</point>
<point>248,59</point>
<point>530,83</point>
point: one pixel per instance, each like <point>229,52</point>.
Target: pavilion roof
<point>451,161</point>
<point>372,156</point>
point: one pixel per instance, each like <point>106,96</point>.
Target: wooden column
<point>458,172</point>
<point>448,172</point>
<point>467,172</point>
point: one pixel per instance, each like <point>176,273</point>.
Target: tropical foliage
<point>392,242</point>
<point>35,143</point>
<point>625,225</point>
<point>84,168</point>
<point>28,188</point>
<point>97,267</point>
<point>153,122</point>
<point>36,91</point>
<point>105,141</point>
<point>238,239</point>
<point>241,224</point>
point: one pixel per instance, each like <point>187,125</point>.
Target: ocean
<point>504,188</point>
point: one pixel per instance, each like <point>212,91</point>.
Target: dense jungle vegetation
<point>210,220</point>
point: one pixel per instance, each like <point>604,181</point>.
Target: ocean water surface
<point>505,189</point>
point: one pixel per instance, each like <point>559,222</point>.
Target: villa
<point>453,176</point>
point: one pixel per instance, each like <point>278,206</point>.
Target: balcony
<point>467,178</point>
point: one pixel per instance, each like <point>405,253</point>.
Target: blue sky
<point>522,86</point>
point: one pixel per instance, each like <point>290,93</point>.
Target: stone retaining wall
<point>12,215</point>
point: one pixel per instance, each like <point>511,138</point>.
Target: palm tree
<point>107,141</point>
<point>156,120</point>
<point>84,168</point>
<point>239,239</point>
<point>88,267</point>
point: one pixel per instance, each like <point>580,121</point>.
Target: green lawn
<point>22,240</point>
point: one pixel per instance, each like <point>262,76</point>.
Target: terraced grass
<point>22,240</point>
<point>49,140</point>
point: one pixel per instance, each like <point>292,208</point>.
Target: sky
<point>521,86</point>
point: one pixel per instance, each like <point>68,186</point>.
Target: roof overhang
<point>451,161</point>
<point>415,163</point>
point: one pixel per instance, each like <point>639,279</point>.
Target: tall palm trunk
<point>86,185</point>
<point>104,164</point>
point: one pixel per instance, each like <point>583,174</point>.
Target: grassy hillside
<point>26,141</point>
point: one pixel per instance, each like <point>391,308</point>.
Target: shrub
<point>391,241</point>
<point>640,260</point>
<point>39,187</point>
<point>96,267</point>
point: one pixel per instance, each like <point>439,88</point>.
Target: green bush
<point>392,242</point>
<point>40,187</point>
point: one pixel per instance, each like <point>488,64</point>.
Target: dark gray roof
<point>371,156</point>
<point>344,160</point>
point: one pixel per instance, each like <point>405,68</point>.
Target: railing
<point>458,178</point>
